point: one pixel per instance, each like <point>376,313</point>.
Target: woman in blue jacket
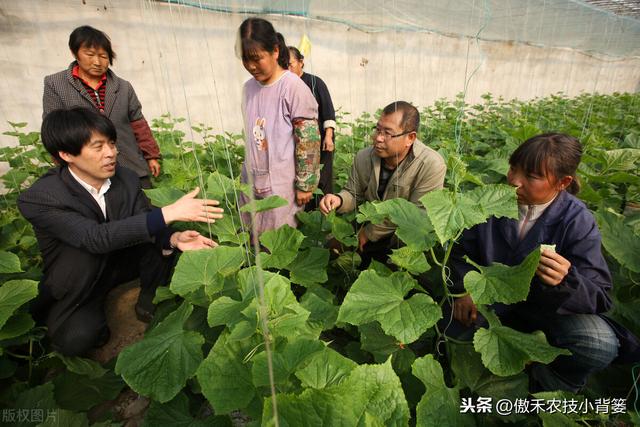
<point>569,291</point>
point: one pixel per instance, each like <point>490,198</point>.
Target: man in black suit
<point>95,230</point>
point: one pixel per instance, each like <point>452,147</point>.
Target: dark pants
<point>76,318</point>
<point>378,251</point>
<point>592,342</point>
<point>326,180</point>
<point>145,182</point>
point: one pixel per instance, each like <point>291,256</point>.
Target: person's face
<point>263,65</point>
<point>295,66</point>
<point>389,139</point>
<point>92,61</point>
<point>534,189</point>
<point>96,161</point>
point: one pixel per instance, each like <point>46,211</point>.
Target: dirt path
<point>126,329</point>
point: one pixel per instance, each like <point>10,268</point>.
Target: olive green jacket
<point>421,171</point>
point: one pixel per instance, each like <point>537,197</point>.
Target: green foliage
<point>283,244</point>
<point>501,283</point>
<point>324,320</point>
<point>205,269</point>
<point>376,298</point>
<point>177,413</point>
<point>160,365</point>
<point>620,240</point>
<point>261,205</point>
<point>506,351</point>
<point>14,294</point>
<point>440,405</point>
<point>374,393</point>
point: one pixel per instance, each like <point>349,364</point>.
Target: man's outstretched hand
<point>189,208</point>
<point>191,240</point>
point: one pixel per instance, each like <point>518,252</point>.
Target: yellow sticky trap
<point>305,45</point>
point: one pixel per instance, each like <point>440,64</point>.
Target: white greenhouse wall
<point>181,60</point>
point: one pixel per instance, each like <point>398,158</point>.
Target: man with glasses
<point>397,165</point>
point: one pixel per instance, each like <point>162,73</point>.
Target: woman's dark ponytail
<point>574,187</point>
<point>283,53</point>
<point>258,33</point>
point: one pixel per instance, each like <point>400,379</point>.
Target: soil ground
<point>126,329</point>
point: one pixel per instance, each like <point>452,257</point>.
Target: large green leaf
<point>450,212</point>
<point>440,405</point>
<point>321,306</point>
<point>325,368</point>
<point>370,395</point>
<point>80,393</point>
<point>226,311</point>
<point>375,341</point>
<point>368,212</point>
<point>163,196</point>
<point>239,316</point>
<point>13,294</point>
<point>224,375</point>
<point>227,228</point>
<point>469,370</point>
<point>17,325</point>
<point>376,298</point>
<point>9,263</point>
<point>38,397</point>
<point>286,317</point>
<point>381,346</point>
<point>309,266</point>
<point>283,244</point>
<point>286,359</point>
<point>160,365</point>
<point>409,259</point>
<point>619,239</point>
<point>313,226</point>
<point>506,351</point>
<point>501,283</point>
<point>620,159</point>
<point>249,278</point>
<point>176,414</point>
<point>497,200</point>
<point>220,187</point>
<point>205,269</point>
<point>261,205</point>
<point>413,226</point>
<point>81,366</point>
<point>342,230</point>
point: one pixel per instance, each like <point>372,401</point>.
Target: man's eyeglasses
<point>386,135</point>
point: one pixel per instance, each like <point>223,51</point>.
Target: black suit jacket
<point>68,223</point>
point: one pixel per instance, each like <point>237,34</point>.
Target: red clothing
<point>97,93</point>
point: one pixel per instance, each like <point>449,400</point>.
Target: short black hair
<point>70,130</point>
<point>410,116</point>
<point>90,37</point>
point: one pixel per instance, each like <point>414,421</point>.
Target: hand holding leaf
<point>553,268</point>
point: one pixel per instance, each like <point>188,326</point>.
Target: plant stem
<point>30,358</point>
<point>435,259</point>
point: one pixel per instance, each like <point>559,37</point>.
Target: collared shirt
<point>98,195</point>
<point>528,215</point>
<point>97,94</point>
